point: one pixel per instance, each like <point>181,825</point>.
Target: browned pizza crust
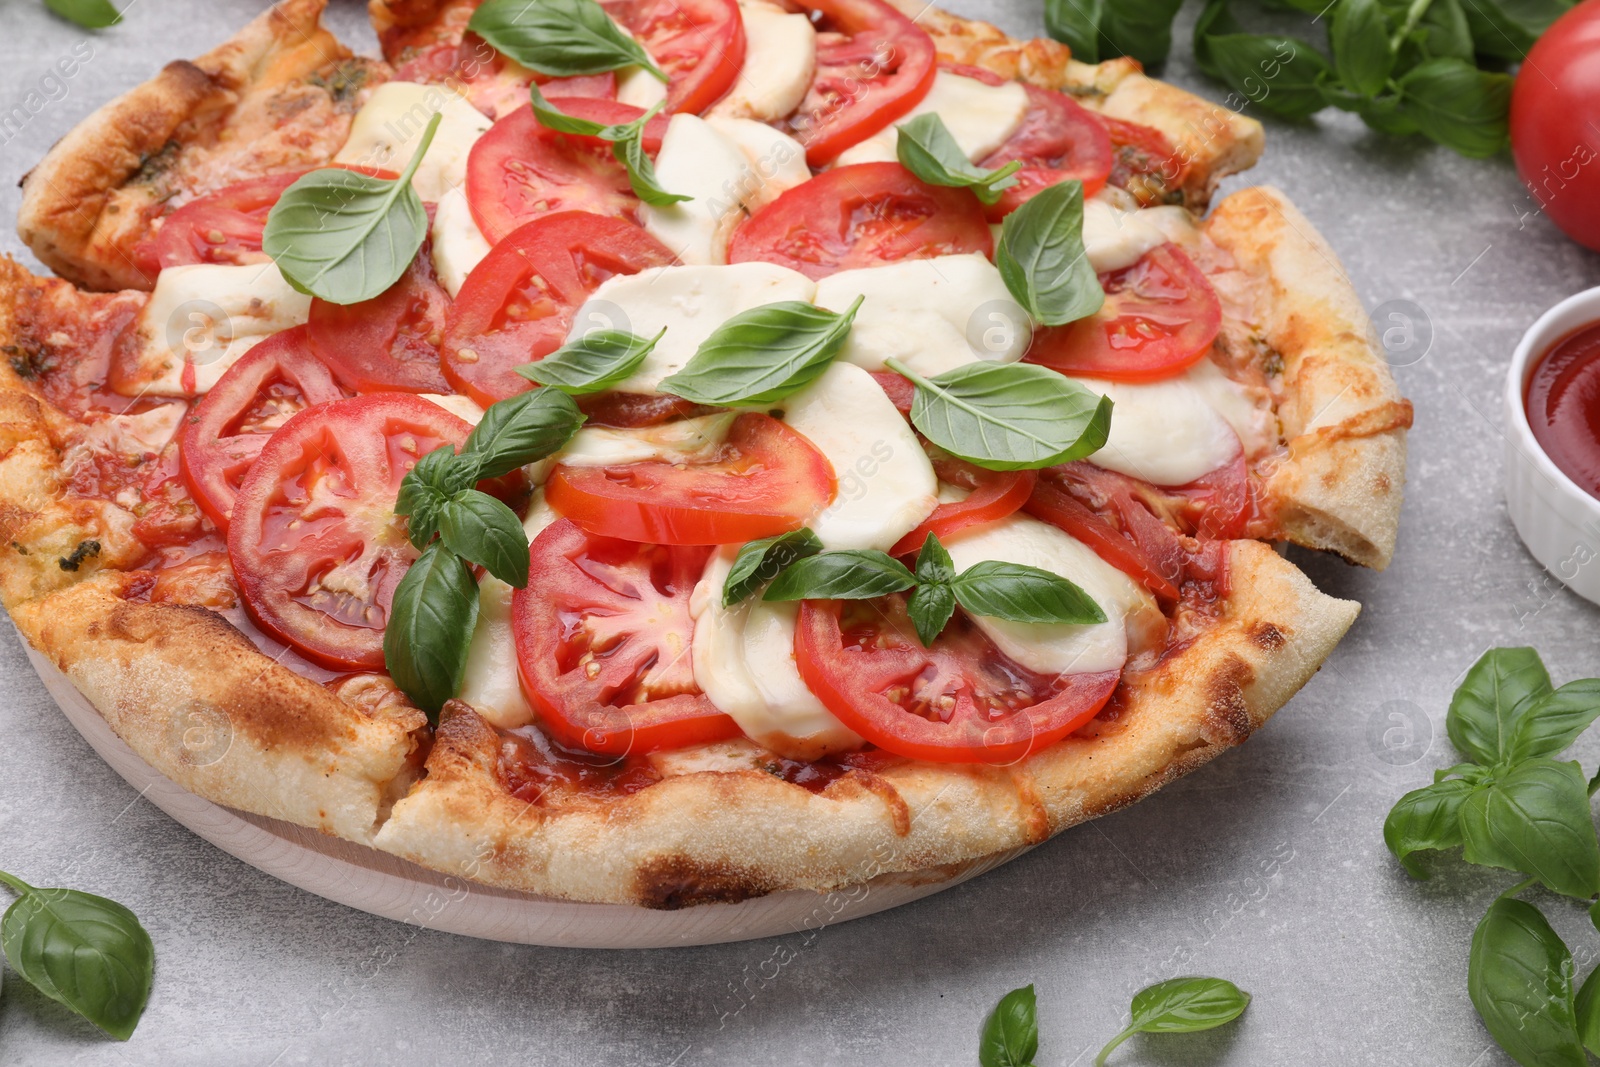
<point>278,96</point>
<point>1342,417</point>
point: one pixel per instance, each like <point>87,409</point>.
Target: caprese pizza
<point>662,453</point>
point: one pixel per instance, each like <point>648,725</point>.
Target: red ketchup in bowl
<point>1563,405</point>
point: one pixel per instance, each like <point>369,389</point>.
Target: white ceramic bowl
<point>1557,520</point>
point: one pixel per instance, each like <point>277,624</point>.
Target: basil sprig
<point>81,950</point>
<point>435,606</point>
<point>927,149</point>
<point>1008,416</point>
<point>1514,806</point>
<point>1042,260</point>
<point>627,145</point>
<point>560,38</point>
<point>345,236</point>
<point>1099,30</point>
<point>764,354</point>
<point>1010,1036</point>
<point>594,362</point>
<point>1011,591</point>
<point>758,562</point>
<point>90,14</point>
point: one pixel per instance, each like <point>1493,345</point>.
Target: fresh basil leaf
<point>627,145</point>
<point>1506,29</point>
<point>594,362</point>
<point>437,477</point>
<point>764,354</point>
<point>90,14</point>
<point>483,530</point>
<point>561,38</point>
<point>927,149</point>
<point>1535,819</point>
<point>1278,74</point>
<point>850,574</point>
<point>1181,1006</point>
<point>758,562</point>
<point>521,429</point>
<point>1016,592</point>
<point>1458,105</point>
<point>429,629</point>
<point>1587,1009</point>
<point>1441,31</point>
<point>1097,30</point>
<point>1497,690</point>
<point>934,600</point>
<point>1042,260</point>
<point>1554,721</point>
<point>1008,416</point>
<point>345,236</point>
<point>1519,976</point>
<point>552,119</point>
<point>1359,38</point>
<point>80,950</point>
<point>1470,771</point>
<point>1011,1032</point>
<point>1426,818</point>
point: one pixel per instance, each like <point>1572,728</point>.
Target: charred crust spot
<point>1267,637</point>
<point>884,790</point>
<point>87,549</point>
<point>672,882</point>
<point>1227,714</point>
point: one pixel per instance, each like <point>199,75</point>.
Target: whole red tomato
<point>1555,106</point>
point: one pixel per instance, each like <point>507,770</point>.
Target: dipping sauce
<point>1563,405</point>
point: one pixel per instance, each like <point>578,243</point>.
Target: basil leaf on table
<point>850,574</point>
<point>764,354</point>
<point>1506,30</point>
<point>1456,104</point>
<point>594,362</point>
<point>1041,257</point>
<point>1442,31</point>
<point>934,600</point>
<point>927,149</point>
<point>1587,1009</point>
<point>1426,819</point>
<point>1008,416</point>
<point>1359,38</point>
<point>429,629</point>
<point>1278,74</point>
<point>520,430</point>
<point>758,562</point>
<point>1097,30</point>
<point>1011,1032</point>
<point>345,236</point>
<point>1017,592</point>
<point>80,950</point>
<point>1519,979</point>
<point>627,145</point>
<point>1535,819</point>
<point>561,38</point>
<point>90,14</point>
<point>1554,721</point>
<point>1496,692</point>
<point>1181,1006</point>
<point>483,530</point>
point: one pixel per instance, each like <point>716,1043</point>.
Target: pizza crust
<point>279,95</point>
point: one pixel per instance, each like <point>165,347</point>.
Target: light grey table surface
<point>1267,867</point>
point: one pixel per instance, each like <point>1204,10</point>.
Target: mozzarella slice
<point>491,685</point>
<point>744,662</point>
<point>886,484</point>
<point>933,314</point>
<point>684,441</point>
<point>780,58</point>
<point>980,117</point>
<point>1133,620</point>
<point>1248,410</point>
<point>639,88</point>
<point>689,303</point>
<point>201,318</point>
<point>698,161</point>
<point>462,407</point>
<point>1164,432</point>
<point>387,131</point>
<point>458,244</point>
<point>1114,239</point>
<point>777,161</point>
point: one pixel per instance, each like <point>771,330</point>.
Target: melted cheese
<point>980,117</point>
<point>779,60</point>
<point>689,303</point>
<point>387,131</point>
<point>1164,432</point>
<point>886,484</point>
<point>1133,619</point>
<point>1114,239</point>
<point>699,161</point>
<point>462,407</point>
<point>201,318</point>
<point>639,88</point>
<point>458,244</point>
<point>1247,410</point>
<point>684,441</point>
<point>777,161</point>
<point>934,314</point>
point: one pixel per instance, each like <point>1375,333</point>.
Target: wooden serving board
<point>381,884</point>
